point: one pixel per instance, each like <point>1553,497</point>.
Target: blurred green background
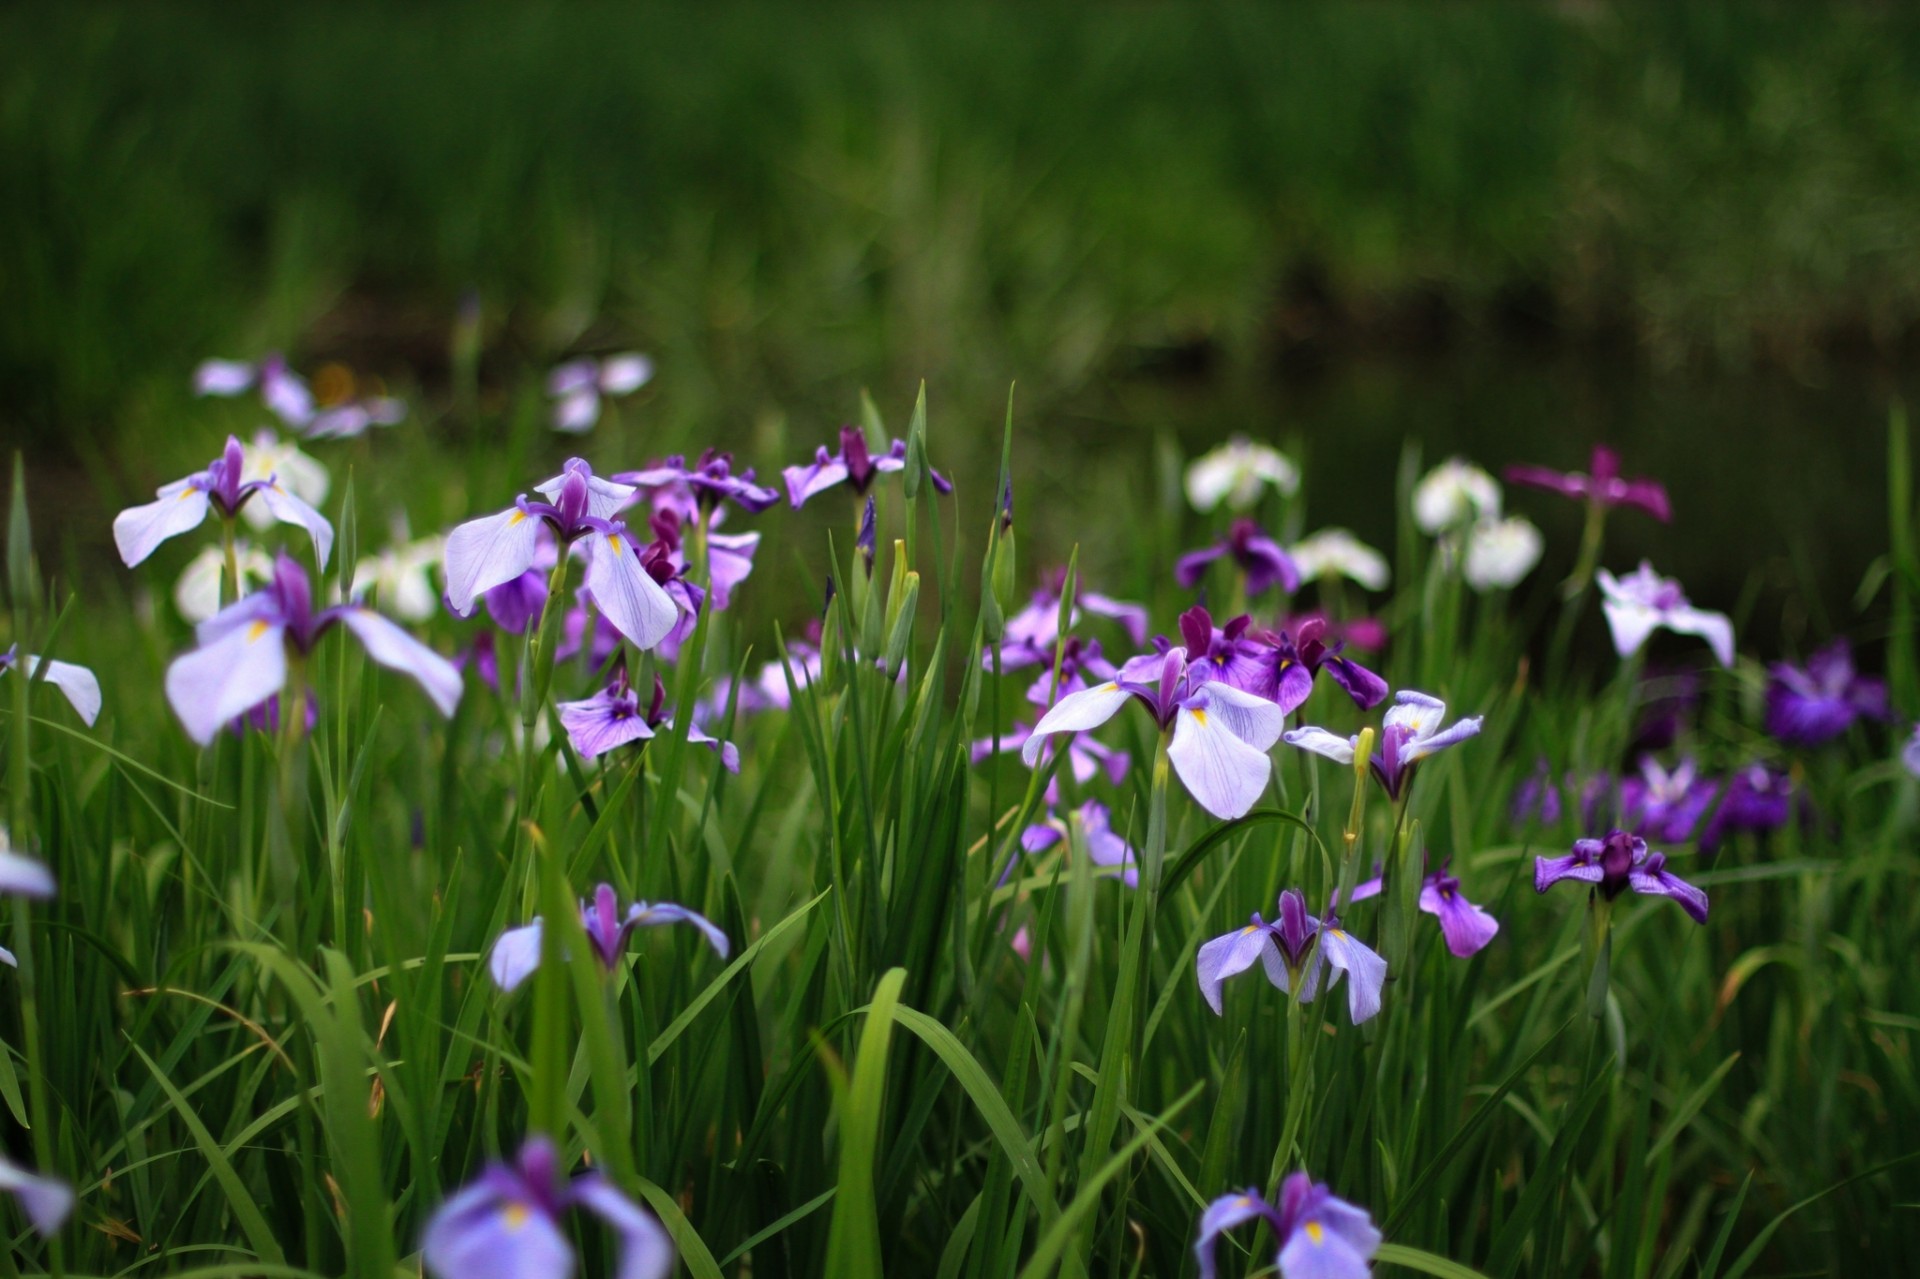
<point>1503,229</point>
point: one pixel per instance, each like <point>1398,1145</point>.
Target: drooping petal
<point>1660,882</point>
<point>222,377</point>
<point>1366,689</point>
<point>488,552</point>
<point>45,1200</point>
<point>1292,687</point>
<point>24,876</point>
<point>602,722</point>
<point>1321,742</point>
<point>482,1233</point>
<point>1132,617</point>
<point>728,752</point>
<point>1577,865</point>
<point>1227,956</point>
<point>1715,628</point>
<point>1329,1245</point>
<point>138,530</point>
<point>236,672</point>
<point>654,914</point>
<point>1191,567</point>
<point>77,682</point>
<point>804,482</point>
<point>1421,747</point>
<point>646,1250</point>
<point>624,374</point>
<point>1074,713</point>
<point>1365,971</point>
<point>729,560</point>
<point>515,955</point>
<point>1222,772</point>
<point>1254,720</point>
<point>396,650</point>
<point>577,411</point>
<point>1222,1215</point>
<point>625,593</point>
<point>1466,927</point>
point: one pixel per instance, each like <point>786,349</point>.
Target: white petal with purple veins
<point>483,553</point>
<point>626,593</point>
<point>45,1200</point>
<point>1321,742</point>
<point>515,955</point>
<point>24,877</point>
<point>1074,713</point>
<point>1222,772</point>
<point>77,682</point>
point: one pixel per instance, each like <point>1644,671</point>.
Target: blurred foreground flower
<point>1238,472</point>
<point>1318,1236</point>
<point>281,390</point>
<point>1296,947</point>
<point>578,385</point>
<point>506,1224</point>
<point>78,683</point>
<point>1643,601</point>
<point>45,1200</point>
<point>517,952</point>
<point>183,504</point>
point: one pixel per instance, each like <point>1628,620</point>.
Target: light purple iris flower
<point>1602,484</point>
<point>45,1200</point>
<point>854,464</point>
<point>351,418</point>
<point>506,1224</point>
<point>1105,847</point>
<point>281,389</point>
<point>1221,735</point>
<point>578,386</point>
<point>1813,704</point>
<point>183,504</point>
<point>1615,864</point>
<point>241,658</point>
<point>613,717</point>
<point>1319,1236</point>
<point>1466,927</point>
<point>1034,631</point>
<point>1537,798</point>
<point>79,684</point>
<point>1086,758</point>
<point>1256,554</point>
<point>494,549</point>
<point>1409,732</point>
<point>1295,947</point>
<point>1643,601</point>
<point>706,484</point>
<point>517,952</point>
<point>1666,804</point>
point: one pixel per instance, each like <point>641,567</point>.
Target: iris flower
<point>241,658</point>
<point>197,593</point>
<point>183,504</point>
<point>1466,928</point>
<point>1303,652</point>
<point>1500,553</point>
<point>579,506</point>
<point>578,385</point>
<point>21,876</point>
<point>1220,735</point>
<point>1408,734</point>
<point>1453,494</point>
<point>81,687</point>
<point>854,464</point>
<point>517,952</point>
<point>280,388</point>
<point>704,485</point>
<point>268,456</point>
<point>1334,552</point>
<point>1319,1236</point>
<point>613,717</point>
<point>1615,864</point>
<point>45,1200</point>
<point>1295,947</point>
<point>401,578</point>
<point>507,1223</point>
<point>1813,704</point>
<point>1257,555</point>
<point>1641,602</point>
<point>1602,484</point>
<point>1086,758</point>
<point>1106,848</point>
<point>1236,473</point>
<point>1032,633</point>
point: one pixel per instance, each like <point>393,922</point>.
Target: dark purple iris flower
<point>183,504</point>
<point>1759,798</point>
<point>1602,485</point>
<point>1615,864</point>
<point>516,953</point>
<point>1300,655</point>
<point>1032,632</point>
<point>1295,947</point>
<point>854,464</point>
<point>1317,1235</point>
<point>1256,554</point>
<point>1665,804</point>
<point>507,1223</point>
<point>1236,655</point>
<point>705,485</point>
<point>1811,705</point>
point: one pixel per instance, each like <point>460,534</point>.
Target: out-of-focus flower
<point>268,457</point>
<point>578,386</point>
<point>350,405</point>
<point>1334,552</point>
<point>1537,798</point>
<point>401,578</point>
<point>1759,798</point>
<point>222,487</point>
<point>1643,601</point>
<point>854,464</point>
<point>1615,864</point>
<point>1105,848</point>
<point>1453,494</point>
<point>704,485</point>
<point>1500,553</point>
<point>1296,947</point>
<point>516,953</point>
<point>1237,473</point>
<point>45,1200</point>
<point>1910,753</point>
<point>197,593</point>
<point>1409,733</point>
<point>1086,757</point>
<point>507,1223</point>
<point>1602,485</point>
<point>281,390</point>
<point>77,683</point>
<point>1258,556</point>
<point>1033,632</point>
<point>241,658</point>
<point>1813,704</point>
<point>1318,1236</point>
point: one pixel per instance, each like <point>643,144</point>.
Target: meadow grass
<point>255,1029</point>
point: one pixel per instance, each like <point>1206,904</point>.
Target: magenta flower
<point>507,1223</point>
<point>1319,1236</point>
<point>854,464</point>
<point>241,658</point>
<point>1603,485</point>
<point>1813,704</point>
<point>183,504</point>
<point>281,390</point>
<point>1409,733</point>
<point>1466,928</point>
<point>517,951</point>
<point>1294,948</point>
<point>495,549</point>
<point>578,386</point>
<point>1615,864</point>
<point>1257,555</point>
<point>704,485</point>
<point>81,687</point>
<point>613,717</point>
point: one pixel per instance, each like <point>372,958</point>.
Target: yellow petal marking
<point>256,630</point>
<point>1200,718</point>
<point>514,1216</point>
<point>517,517</point>
<point>1316,1233</point>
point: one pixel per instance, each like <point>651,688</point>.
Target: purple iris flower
<point>45,1200</point>
<point>281,389</point>
<point>1105,847</point>
<point>1034,631</point>
<point>613,717</point>
<point>1641,602</point>
<point>1319,1236</point>
<point>1537,798</point>
<point>480,655</point>
<point>1086,758</point>
<point>578,386</point>
<point>1662,803</point>
<point>506,1224</point>
<point>853,464</point>
<point>494,549</point>
<point>1409,733</point>
<point>1221,735</point>
<point>351,418</point>
<point>1813,704</point>
<point>183,504</point>
<point>79,684</point>
<point>1759,798</point>
<point>1081,662</point>
<point>1235,655</point>
<point>1615,864</point>
<point>241,658</point>
<point>1256,554</point>
<point>1466,927</point>
<point>1295,947</point>
<point>517,951</point>
<point>1602,485</point>
<point>1298,656</point>
<point>706,484</point>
